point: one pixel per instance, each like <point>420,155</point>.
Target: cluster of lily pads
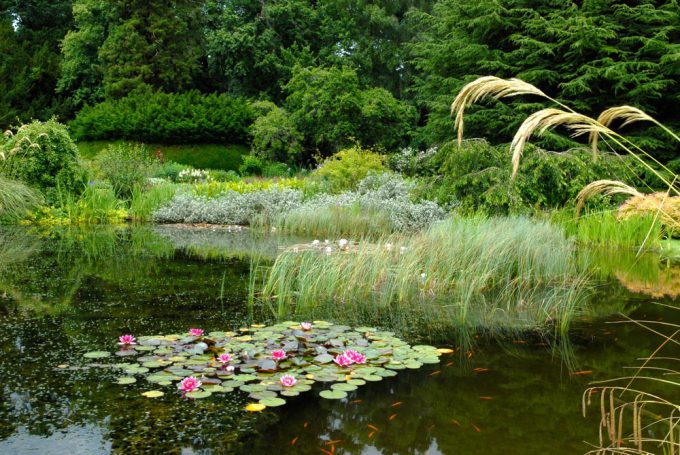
<point>270,363</point>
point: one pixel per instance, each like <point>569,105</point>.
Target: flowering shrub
<point>193,176</point>
<point>213,189</point>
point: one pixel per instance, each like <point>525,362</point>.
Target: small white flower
<point>343,243</point>
<point>315,243</point>
<point>388,246</point>
<point>328,250</point>
<point>402,250</point>
<point>326,241</point>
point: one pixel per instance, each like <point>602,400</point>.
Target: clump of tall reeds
<point>487,273</point>
<point>640,413</point>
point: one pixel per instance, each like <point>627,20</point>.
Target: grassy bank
<point>200,156</point>
<point>488,273</point>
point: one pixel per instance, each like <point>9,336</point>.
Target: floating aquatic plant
<point>270,363</point>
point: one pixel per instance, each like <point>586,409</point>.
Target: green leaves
<point>309,360</point>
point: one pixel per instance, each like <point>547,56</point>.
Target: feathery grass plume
<point>545,119</point>
<point>606,187</point>
<point>17,199</point>
<point>628,114</point>
<point>488,86</point>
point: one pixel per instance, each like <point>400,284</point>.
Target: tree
<point>592,55</point>
<point>30,32</point>
<point>253,46</point>
<point>331,109</point>
<point>121,45</point>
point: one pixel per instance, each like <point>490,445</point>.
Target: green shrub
<point>188,117</point>
<point>275,137</point>
<point>330,107</point>
<point>252,165</point>
<point>348,167</point>
<point>126,166</point>
<point>169,170</point>
<point>276,170</point>
<point>223,176</point>
<point>477,176</point>
<point>42,155</point>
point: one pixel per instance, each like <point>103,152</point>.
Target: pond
<point>67,292</point>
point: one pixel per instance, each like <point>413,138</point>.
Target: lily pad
<point>333,394</point>
<point>165,359</point>
<point>273,402</point>
<point>198,394</point>
<point>97,354</point>
<point>153,394</point>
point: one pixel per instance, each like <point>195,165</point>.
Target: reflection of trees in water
<point>645,274</point>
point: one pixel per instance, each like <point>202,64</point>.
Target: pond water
<point>65,292</point>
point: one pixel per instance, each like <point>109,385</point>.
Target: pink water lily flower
<point>355,357</point>
<point>306,326</point>
<point>279,354</point>
<point>342,360</point>
<point>287,380</point>
<point>126,339</point>
<point>224,358</point>
<point>189,384</point>
<point>196,332</point>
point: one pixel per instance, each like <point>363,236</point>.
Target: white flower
<point>315,242</point>
<point>388,246</point>
<point>343,243</point>
<point>402,250</point>
<point>328,250</point>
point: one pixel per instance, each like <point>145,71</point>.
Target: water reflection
<point>64,292</point>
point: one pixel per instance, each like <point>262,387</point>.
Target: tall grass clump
<point>640,413</point>
<point>335,221</point>
<point>482,273</point>
<point>144,201</point>
<point>16,199</point>
<point>606,228</point>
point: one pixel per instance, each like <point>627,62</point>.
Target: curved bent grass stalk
<point>651,421</point>
<point>545,119</point>
<point>499,88</point>
<point>488,86</point>
<point>628,114</point>
<point>606,187</point>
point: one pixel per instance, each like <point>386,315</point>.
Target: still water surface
<point>63,293</point>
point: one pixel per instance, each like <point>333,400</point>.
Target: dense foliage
<point>330,107</point>
<point>166,118</point>
<point>126,166</point>
<point>477,176</point>
<point>43,156</point>
<point>30,35</point>
<point>345,169</point>
<point>593,55</point>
